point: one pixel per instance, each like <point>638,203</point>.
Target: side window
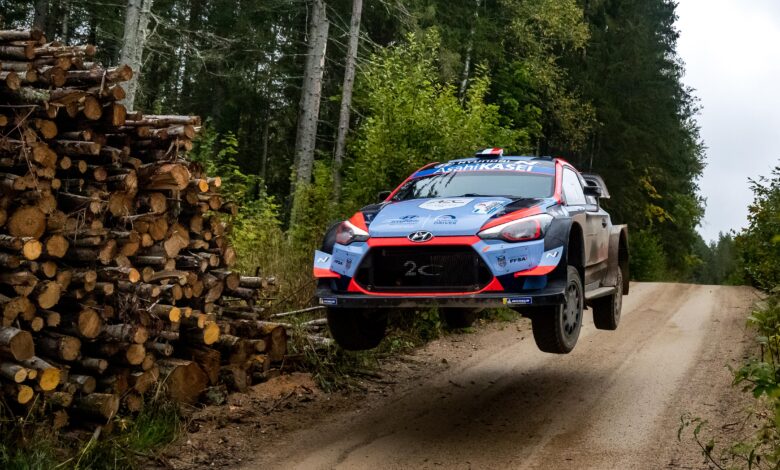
<point>572,189</point>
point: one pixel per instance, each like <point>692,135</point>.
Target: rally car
<point>523,232</point>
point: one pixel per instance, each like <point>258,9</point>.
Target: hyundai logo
<point>420,237</point>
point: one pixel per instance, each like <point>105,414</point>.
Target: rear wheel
<point>556,329</point>
<point>357,329</point>
<point>459,317</point>
<point>606,310</point>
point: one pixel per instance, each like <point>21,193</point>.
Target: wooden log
<point>184,380</point>
<point>27,221</point>
<point>87,323</point>
<point>13,372</point>
<point>19,393</point>
<point>47,294</point>
<point>92,364</point>
<point>48,376</point>
<point>20,35</point>
<point>97,405</point>
<point>59,399</point>
<point>85,383</point>
<point>16,343</point>
<point>235,377</point>
<point>143,381</point>
<point>59,346</point>
<point>126,333</point>
<point>15,307</point>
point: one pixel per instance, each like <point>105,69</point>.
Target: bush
<point>759,244</point>
<point>647,261</point>
<point>411,119</point>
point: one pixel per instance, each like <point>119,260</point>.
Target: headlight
<point>521,230</point>
<point>348,233</point>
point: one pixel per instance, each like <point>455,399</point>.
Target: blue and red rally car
<point>523,232</point>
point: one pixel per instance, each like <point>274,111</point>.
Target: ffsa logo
<point>420,236</point>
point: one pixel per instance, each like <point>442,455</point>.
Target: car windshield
<point>510,184</point>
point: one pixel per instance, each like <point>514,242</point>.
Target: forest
<point>312,107</point>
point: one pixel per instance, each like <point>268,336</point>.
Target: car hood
<point>458,216</point>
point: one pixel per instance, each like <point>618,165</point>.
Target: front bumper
<point>554,294</point>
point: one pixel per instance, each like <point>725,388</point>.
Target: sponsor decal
<point>329,301</point>
<point>420,237</point>
<point>323,259</point>
<point>518,259</point>
<point>518,301</point>
<point>444,204</point>
<point>404,220</point>
<point>338,261</point>
<point>413,270</point>
<point>501,260</point>
<point>445,220</point>
<point>488,207</point>
<point>349,263</point>
<point>552,254</point>
<point>505,165</point>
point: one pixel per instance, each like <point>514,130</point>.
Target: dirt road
<point>615,402</point>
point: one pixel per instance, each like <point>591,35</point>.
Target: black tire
<point>459,317</point>
<point>606,310</point>
<point>329,239</point>
<point>357,329</point>
<point>556,329</point>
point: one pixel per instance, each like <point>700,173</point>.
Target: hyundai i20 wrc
<point>527,233</point>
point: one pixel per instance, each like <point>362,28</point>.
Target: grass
<point>26,444</point>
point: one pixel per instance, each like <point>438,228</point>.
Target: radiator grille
<point>423,269</point>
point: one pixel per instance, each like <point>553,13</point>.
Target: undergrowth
<point>756,441</point>
<point>28,443</point>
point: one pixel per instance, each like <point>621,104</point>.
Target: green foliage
<point>27,445</point>
<point>156,426</point>
<point>646,144</point>
<point>717,262</point>
<point>647,262</point>
<point>412,118</point>
<point>758,257</point>
<point>758,245</point>
<point>758,444</point>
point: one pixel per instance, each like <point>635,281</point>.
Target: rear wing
<point>592,179</point>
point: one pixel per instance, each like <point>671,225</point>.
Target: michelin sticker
<point>444,204</point>
<point>487,207</point>
<point>518,301</point>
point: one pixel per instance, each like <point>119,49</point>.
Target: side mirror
<point>594,191</point>
<point>382,195</point>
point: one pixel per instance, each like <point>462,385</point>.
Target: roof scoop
<point>494,152</point>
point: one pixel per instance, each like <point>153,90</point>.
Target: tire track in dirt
<point>613,403</point>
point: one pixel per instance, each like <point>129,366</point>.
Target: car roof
<point>515,158</point>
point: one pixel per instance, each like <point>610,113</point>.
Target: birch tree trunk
<point>346,96</point>
<point>311,95</point>
<point>464,83</point>
<point>133,42</point>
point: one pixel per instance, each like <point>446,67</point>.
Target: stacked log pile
<point>114,260</point>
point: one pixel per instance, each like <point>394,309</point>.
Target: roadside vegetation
<point>752,256</point>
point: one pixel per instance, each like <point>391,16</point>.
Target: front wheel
<point>606,310</point>
<point>357,329</point>
<point>556,329</point>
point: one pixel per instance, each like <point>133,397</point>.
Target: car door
<point>595,223</point>
<point>599,227</point>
